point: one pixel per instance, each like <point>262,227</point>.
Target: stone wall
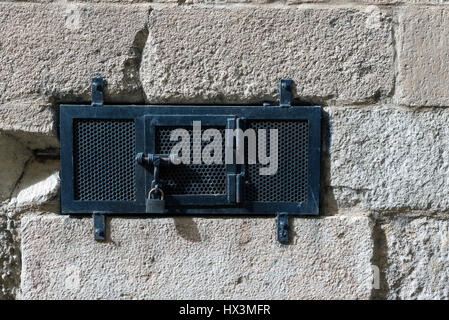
<point>379,68</point>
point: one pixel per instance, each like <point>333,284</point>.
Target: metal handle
<point>155,159</point>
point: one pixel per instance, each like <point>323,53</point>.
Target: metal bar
<point>240,177</point>
<point>231,168</point>
<point>239,187</point>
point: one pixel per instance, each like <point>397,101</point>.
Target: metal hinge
<point>97,90</point>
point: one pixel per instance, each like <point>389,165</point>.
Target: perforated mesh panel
<point>192,178</point>
<point>289,184</point>
<point>104,164</point>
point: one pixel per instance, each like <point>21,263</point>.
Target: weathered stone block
<point>29,117</point>
<point>9,259</point>
<point>417,255</point>
<point>302,1</point>
<point>388,159</point>
<point>238,55</point>
<point>60,47</point>
<point>70,2</point>
<point>185,258</point>
<point>423,57</point>
<point>33,123</point>
<point>13,156</point>
<point>39,184</point>
<point>221,2</point>
<point>374,2</point>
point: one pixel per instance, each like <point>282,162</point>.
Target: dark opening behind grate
<point>290,182</point>
<point>192,178</point>
<point>104,152</point>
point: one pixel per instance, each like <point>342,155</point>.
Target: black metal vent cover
<point>99,172</point>
<point>266,160</point>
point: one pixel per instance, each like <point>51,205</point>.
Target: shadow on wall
<point>187,229</point>
<point>328,204</point>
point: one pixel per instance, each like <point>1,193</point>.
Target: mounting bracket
<point>285,92</point>
<point>97,91</point>
<point>99,226</point>
<point>282,227</point>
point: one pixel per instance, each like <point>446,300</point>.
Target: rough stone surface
<point>39,185</point>
<point>423,57</point>
<point>417,254</point>
<point>224,2</point>
<point>388,159</point>
<point>401,1</point>
<point>367,60</point>
<point>301,1</point>
<point>9,260</point>
<point>253,2</point>
<point>185,258</point>
<point>238,55</point>
<point>59,48</point>
<point>31,117</point>
<point>13,156</point>
<point>70,2</point>
<point>32,123</point>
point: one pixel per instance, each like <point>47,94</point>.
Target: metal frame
<point>142,114</point>
<point>147,117</point>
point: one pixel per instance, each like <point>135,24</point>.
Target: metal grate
<point>192,178</point>
<point>104,152</point>
<point>290,182</point>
